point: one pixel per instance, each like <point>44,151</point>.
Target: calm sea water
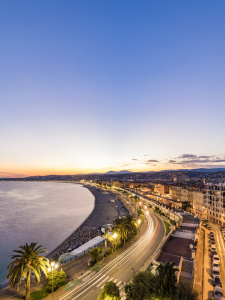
<point>41,212</point>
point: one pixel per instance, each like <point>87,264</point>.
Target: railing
<point>78,255</point>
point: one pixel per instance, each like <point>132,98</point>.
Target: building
<point>184,195</point>
<point>175,193</point>
<point>164,189</point>
<point>215,202</point>
<point>115,184</point>
<point>198,204</point>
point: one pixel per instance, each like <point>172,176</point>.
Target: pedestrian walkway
<point>208,290</point>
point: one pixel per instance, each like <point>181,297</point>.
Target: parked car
<point>90,263</point>
<point>216,265</point>
<point>217,281</point>
<point>213,247</point>
<point>218,293</point>
<point>213,242</point>
<point>216,272</point>
<point>209,228</point>
<point>214,253</point>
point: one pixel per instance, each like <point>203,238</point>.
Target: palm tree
<point>106,236</point>
<point>27,260</point>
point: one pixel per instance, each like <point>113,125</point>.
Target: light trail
<point>117,262</point>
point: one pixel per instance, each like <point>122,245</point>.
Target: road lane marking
<point>113,264</point>
<point>115,281</point>
<point>102,281</point>
<point>118,283</point>
<point>98,280</point>
<point>88,294</point>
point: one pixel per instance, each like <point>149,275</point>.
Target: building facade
<point>214,202</point>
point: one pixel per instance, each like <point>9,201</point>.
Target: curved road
<point>120,269</point>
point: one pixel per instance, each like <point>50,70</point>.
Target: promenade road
<point>120,269</point>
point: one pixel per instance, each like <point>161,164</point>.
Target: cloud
<point>152,160</point>
<point>11,175</point>
<point>135,159</point>
<point>192,159</point>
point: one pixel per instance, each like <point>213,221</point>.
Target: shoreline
<point>101,204</point>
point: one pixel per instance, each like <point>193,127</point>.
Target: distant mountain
<point>208,170</point>
<point>119,172</point>
<point>196,170</point>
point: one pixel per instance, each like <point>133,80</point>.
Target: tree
<point>95,254</point>
<point>166,280</point>
<point>186,292</point>
<point>111,291</point>
<point>27,260</point>
<point>142,287</point>
<point>106,237</point>
<point>59,279</point>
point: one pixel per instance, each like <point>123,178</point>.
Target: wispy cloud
<point>11,175</point>
<point>190,159</point>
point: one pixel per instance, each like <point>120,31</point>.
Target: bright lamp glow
<point>115,235</point>
<point>52,264</point>
<point>49,269</point>
<point>56,266</point>
<point>139,221</point>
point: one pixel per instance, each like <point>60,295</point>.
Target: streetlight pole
<point>115,236</point>
<point>139,222</point>
<point>53,266</point>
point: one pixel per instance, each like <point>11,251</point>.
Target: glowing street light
<point>53,266</point>
<point>115,235</point>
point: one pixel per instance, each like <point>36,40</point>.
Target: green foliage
<point>111,291</point>
<point>186,292</point>
<point>172,222</point>
<point>167,227</point>
<point>166,280</point>
<point>38,295</point>
<point>109,251</point>
<point>95,254</point>
<point>162,285</point>
<point>26,260</point>
<point>59,279</point>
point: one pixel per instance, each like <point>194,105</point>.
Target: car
<point>90,263</point>
<point>218,293</point>
<point>215,260</point>
<point>214,253</point>
<point>209,228</point>
<point>216,265</point>
<point>216,272</point>
<point>217,281</point>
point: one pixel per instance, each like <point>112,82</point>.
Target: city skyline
<point>93,87</point>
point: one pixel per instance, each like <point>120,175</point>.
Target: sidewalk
<point>199,264</point>
<point>208,290</point>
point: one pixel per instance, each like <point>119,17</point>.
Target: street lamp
<point>115,235</point>
<point>53,266</point>
<point>139,222</point>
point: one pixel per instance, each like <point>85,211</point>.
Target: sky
<point>92,86</point>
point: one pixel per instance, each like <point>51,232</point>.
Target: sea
<point>42,212</point>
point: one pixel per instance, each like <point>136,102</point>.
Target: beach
<point>104,212</point>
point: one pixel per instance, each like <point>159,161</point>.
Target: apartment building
<point>184,195</point>
<point>198,204</point>
<point>214,202</point>
<point>175,193</point>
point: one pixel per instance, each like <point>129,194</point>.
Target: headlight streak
<point>120,258</point>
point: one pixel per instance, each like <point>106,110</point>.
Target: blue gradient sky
<point>99,85</point>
